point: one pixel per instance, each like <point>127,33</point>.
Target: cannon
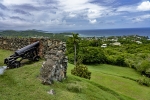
<point>29,52</point>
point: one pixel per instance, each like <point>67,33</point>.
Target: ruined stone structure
<point>54,68</point>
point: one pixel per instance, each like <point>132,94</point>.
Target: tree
<point>75,41</point>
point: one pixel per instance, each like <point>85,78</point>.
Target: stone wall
<point>53,51</point>
<point>14,44</point>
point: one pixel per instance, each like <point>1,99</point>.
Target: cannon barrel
<point>29,52</point>
<point>27,48</point>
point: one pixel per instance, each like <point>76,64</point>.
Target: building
<point>104,45</point>
<point>116,44</point>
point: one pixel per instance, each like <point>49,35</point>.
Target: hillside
<point>107,83</point>
<point>33,34</point>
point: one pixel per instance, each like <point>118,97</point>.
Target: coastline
<point>113,32</point>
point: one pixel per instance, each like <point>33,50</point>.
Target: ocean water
<point>113,32</point>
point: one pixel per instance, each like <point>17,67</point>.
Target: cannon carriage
<point>29,52</point>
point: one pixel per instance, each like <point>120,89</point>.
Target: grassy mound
<point>107,83</point>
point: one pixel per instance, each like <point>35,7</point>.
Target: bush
<point>148,72</point>
<point>81,71</point>
<point>92,55</point>
<point>144,81</point>
<point>74,87</point>
<point>120,61</point>
<point>111,59</point>
<point>71,58</point>
<point>144,66</point>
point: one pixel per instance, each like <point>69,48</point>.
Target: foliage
<point>129,54</point>
<point>147,72</point>
<point>81,71</point>
<point>111,59</point>
<point>73,43</point>
<point>92,55</point>
<point>120,61</point>
<point>143,66</point>
<point>71,58</point>
<point>144,81</point>
<point>74,87</point>
<point>34,33</point>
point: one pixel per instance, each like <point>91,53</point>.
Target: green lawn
<point>107,83</point>
<point>121,80</point>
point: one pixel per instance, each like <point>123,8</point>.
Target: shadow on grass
<point>111,91</point>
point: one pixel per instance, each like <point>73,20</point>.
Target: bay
<point>113,32</point>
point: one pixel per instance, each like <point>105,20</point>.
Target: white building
<point>138,42</point>
<point>104,45</point>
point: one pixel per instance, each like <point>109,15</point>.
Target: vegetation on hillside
<point>34,34</point>
<point>79,69</point>
<point>132,51</point>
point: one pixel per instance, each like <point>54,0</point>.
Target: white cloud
<point>72,15</point>
<point>83,7</point>
<point>92,21</point>
<point>17,2</point>
<point>110,22</point>
<point>144,6</point>
<point>146,16</point>
<point>65,13</point>
<point>127,8</point>
<point>140,18</point>
<point>57,13</point>
<point>109,1</point>
<point>93,13</point>
<point>73,5</point>
<point>13,23</point>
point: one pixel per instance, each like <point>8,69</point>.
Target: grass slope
<point>107,83</point>
<point>120,79</point>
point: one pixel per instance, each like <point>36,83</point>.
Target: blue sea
<point>113,32</point>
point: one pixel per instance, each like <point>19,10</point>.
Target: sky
<point>57,15</point>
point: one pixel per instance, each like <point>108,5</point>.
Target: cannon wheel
<point>6,61</point>
<point>17,64</point>
<point>36,58</point>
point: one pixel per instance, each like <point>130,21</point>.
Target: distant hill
<point>33,33</point>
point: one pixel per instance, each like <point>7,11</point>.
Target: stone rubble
<point>52,92</point>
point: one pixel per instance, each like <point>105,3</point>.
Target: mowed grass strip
<point>121,80</point>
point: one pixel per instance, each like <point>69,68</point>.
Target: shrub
<point>81,71</point>
<point>92,55</point>
<point>111,59</point>
<point>120,61</point>
<point>148,72</point>
<point>143,67</point>
<point>71,58</point>
<point>74,87</point>
<point>144,81</point>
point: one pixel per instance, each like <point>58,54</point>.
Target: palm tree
<point>75,39</point>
